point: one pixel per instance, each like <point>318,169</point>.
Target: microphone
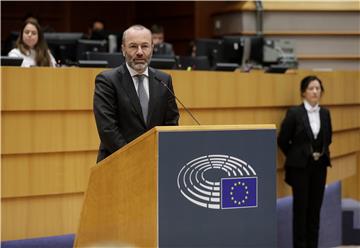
<point>172,93</point>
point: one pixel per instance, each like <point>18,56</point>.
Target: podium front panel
<point>217,188</point>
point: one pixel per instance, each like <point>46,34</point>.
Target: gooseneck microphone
<point>172,93</point>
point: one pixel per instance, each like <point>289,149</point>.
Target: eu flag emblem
<point>240,192</point>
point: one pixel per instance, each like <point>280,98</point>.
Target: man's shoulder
<point>113,72</point>
<point>160,74</point>
<point>112,76</point>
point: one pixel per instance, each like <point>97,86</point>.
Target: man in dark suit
<point>304,138</point>
<point>161,48</point>
<point>131,99</point>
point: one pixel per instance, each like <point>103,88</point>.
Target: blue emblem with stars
<point>240,192</point>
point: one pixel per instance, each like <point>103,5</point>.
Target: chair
<point>163,62</point>
<point>113,59</point>
<point>163,49</point>
<point>330,220</point>
<point>84,46</point>
<point>63,46</point>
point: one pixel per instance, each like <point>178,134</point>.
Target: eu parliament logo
<point>219,181</point>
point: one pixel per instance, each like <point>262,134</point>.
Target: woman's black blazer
<point>295,137</point>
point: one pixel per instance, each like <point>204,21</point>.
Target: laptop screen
<point>11,61</point>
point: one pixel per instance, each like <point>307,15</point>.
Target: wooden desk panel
<point>49,137</point>
<point>72,88</point>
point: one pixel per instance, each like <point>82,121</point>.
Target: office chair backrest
<point>84,46</point>
<point>163,62</point>
<point>113,59</point>
<point>194,63</point>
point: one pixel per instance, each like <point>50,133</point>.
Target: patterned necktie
<point>143,97</point>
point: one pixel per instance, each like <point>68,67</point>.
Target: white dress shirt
<point>314,117</point>
<point>133,74</point>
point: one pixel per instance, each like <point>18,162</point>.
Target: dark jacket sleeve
<point>328,137</point>
<point>330,127</point>
<point>105,111</point>
<point>287,130</point>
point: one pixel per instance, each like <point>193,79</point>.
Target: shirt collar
<point>310,108</point>
<point>30,52</point>
<point>134,73</point>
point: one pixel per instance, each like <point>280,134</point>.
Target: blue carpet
<point>63,241</point>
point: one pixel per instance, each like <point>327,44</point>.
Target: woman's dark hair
<point>306,81</point>
<point>42,57</point>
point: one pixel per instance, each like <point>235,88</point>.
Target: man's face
<point>158,38</point>
<point>98,26</point>
<point>137,49</point>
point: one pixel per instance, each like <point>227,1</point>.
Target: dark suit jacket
<point>117,108</point>
<point>163,49</point>
<point>295,137</point>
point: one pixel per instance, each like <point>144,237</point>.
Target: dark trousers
<point>308,185</point>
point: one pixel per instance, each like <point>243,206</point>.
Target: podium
<point>185,186</point>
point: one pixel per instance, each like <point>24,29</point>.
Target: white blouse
<point>314,117</point>
<point>29,59</point>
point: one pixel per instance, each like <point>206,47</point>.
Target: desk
<point>49,138</point>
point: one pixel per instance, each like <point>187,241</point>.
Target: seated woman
<point>32,47</point>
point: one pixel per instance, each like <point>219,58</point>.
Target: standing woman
<point>304,138</point>
<point>32,47</point>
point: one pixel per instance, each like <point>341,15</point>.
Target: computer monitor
<point>63,46</point>
<point>166,56</point>
<point>163,63</point>
<point>277,68</point>
<point>92,63</point>
<point>194,63</point>
<point>113,59</point>
<point>84,46</point>
<point>11,61</point>
<point>211,48</point>
<point>233,49</point>
<point>225,66</point>
<point>256,50</point>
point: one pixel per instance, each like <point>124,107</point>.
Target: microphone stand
<point>172,93</point>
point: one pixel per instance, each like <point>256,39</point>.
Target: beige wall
<point>325,34</point>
